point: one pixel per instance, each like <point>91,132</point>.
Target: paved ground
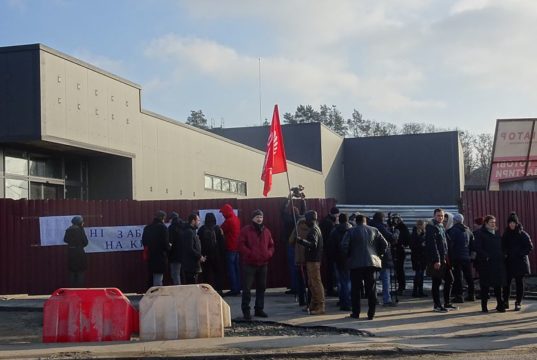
<point>408,329</point>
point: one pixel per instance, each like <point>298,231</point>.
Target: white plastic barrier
<point>183,312</point>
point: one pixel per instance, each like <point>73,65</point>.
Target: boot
<point>484,306</point>
<point>421,293</point>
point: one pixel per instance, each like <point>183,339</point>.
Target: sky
<point>455,64</point>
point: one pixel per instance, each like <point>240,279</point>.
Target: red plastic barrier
<point>77,315</point>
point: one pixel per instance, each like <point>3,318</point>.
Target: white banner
<point>52,229</point>
<point>100,239</point>
<point>103,238</point>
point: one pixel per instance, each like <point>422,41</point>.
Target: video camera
<point>297,192</point>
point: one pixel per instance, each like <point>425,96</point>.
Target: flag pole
<point>292,206</point>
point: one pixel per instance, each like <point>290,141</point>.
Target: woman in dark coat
<point>76,240</point>
<point>490,262</point>
<point>516,245</point>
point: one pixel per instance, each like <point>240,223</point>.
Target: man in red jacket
<point>256,248</point>
<point>231,228</point>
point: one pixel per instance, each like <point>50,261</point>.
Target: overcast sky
<point>456,64</point>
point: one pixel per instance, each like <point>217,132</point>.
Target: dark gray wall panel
<point>110,178</point>
<point>20,99</point>
<point>403,170</point>
<point>302,142</point>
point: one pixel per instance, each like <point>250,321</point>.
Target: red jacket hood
<point>227,211</point>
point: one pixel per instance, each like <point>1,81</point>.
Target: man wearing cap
<point>76,240</point>
<point>363,246</point>
<point>155,237</point>
<point>256,247</point>
<point>460,245</point>
<point>314,253</point>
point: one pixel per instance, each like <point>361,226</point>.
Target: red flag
<point>275,160</point>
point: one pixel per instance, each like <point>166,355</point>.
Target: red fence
<point>500,204</point>
<point>27,267</point>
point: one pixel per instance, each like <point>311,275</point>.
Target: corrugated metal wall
<point>500,204</point>
<point>27,267</point>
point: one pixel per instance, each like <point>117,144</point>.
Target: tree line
<point>477,148</point>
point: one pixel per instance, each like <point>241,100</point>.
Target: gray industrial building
<point>69,130</point>
<point>421,169</point>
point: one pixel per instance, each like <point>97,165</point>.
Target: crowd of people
<point>358,250</point>
<point>355,251</point>
<point>202,254</point>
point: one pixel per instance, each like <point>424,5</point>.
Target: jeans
<point>361,277</point>
<point>435,290</point>
<point>157,279</point>
<point>344,277</point>
<point>259,274</point>
<point>385,278</point>
<point>233,269</point>
<point>175,270</point>
<point>292,267</point>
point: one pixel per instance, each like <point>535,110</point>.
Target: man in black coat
<point>155,237</point>
<point>460,245</point>
<point>402,235</point>
<point>192,257</point>
<point>76,240</point>
<point>438,267</point>
<point>326,226</point>
<point>363,246</point>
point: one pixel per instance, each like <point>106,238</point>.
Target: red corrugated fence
<point>27,267</point>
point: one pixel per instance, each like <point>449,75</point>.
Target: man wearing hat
<point>314,253</point>
<point>256,247</point>
<point>460,245</point>
<point>155,237</point>
<point>76,240</point>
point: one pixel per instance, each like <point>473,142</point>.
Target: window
<point>45,166</point>
<point>232,186</point>
<point>42,176</point>
<point>242,188</point>
<point>218,183</point>
<point>16,189</point>
<point>208,182</point>
<point>16,163</point>
<point>40,190</point>
<point>225,185</point>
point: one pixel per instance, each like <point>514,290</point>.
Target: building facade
<point>72,131</point>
